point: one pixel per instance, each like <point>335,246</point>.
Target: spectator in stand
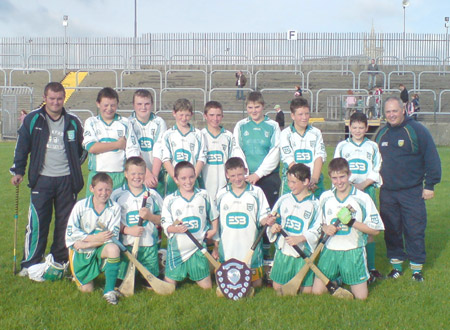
<point>373,71</point>
<point>240,83</point>
<point>350,104</point>
<point>403,95</point>
<point>377,95</point>
<point>416,105</point>
<point>279,118</point>
<point>298,91</point>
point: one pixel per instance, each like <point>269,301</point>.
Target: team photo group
<point>228,203</point>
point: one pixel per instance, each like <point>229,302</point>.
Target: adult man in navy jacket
<point>53,139</point>
<point>411,168</point>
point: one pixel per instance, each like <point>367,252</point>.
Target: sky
<point>99,18</point>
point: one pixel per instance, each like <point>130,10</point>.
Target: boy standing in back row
<point>182,142</point>
<point>303,143</point>
<point>364,160</point>
<point>148,129</point>
<point>108,139</point>
<point>218,142</point>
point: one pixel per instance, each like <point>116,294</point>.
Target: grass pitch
<point>392,304</point>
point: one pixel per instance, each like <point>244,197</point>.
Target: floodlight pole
<point>447,55</point>
<point>65,23</point>
<point>404,36</point>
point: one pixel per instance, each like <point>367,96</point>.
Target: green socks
<point>111,272</point>
<point>370,250</point>
<point>416,268</point>
<point>397,264</point>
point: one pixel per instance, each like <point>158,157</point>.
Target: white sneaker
<point>111,297</point>
<point>23,272</point>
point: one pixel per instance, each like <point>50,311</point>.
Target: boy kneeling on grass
<point>91,250</point>
<point>188,209</point>
<point>344,254</point>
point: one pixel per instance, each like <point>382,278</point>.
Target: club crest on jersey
<point>266,134</point>
<point>71,135</point>
<point>69,231</point>
<point>401,143</point>
<point>369,156</point>
<point>201,209</point>
<point>329,212</point>
<point>178,213</point>
<point>374,218</point>
<point>312,144</point>
<point>120,133</point>
<point>246,133</point>
<point>224,147</point>
<point>307,215</point>
<point>234,279</point>
<point>249,207</point>
<point>225,208</point>
<point>286,150</point>
<point>192,146</point>
<point>152,131</point>
<point>384,144</point>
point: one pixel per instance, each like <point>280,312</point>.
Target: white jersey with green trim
<point>258,145</point>
<point>296,218</point>
<point>364,160</point>
<point>177,147</point>
<point>196,213</point>
<point>96,130</point>
<point>348,238</point>
<point>84,221</point>
<point>240,222</point>
<point>130,205</point>
<point>299,148</point>
<point>148,135</point>
<point>218,152</point>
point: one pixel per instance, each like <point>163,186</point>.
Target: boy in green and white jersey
<point>364,160</point>
<point>91,250</point>
<point>243,211</point>
<point>303,143</point>
<point>218,143</point>
<point>130,197</point>
<point>198,214</point>
<point>149,129</point>
<point>344,253</point>
<point>182,142</point>
<point>108,139</point>
<point>297,212</point>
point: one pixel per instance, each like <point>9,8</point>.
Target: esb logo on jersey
<point>358,166</point>
<point>146,144</point>
<point>182,155</point>
<point>294,224</point>
<point>132,218</point>
<point>215,157</point>
<point>192,223</point>
<point>237,220</point>
<point>303,156</point>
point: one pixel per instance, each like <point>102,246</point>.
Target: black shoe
<point>418,277</point>
<point>394,274</point>
<point>375,273</point>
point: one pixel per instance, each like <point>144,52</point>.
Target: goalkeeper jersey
<point>130,205</point>
<point>258,145</point>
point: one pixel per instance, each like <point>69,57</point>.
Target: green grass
<point>399,304</point>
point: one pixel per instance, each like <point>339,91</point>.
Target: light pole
<point>65,23</point>
<point>135,19</point>
<point>447,24</point>
<point>405,3</point>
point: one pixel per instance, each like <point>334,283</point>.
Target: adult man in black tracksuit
<point>410,170</point>
<point>53,139</point>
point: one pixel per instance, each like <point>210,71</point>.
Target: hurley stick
<point>16,220</point>
<point>127,286</point>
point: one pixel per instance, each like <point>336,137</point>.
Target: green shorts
<point>86,266</point>
<point>351,265</point>
<point>117,177</point>
<point>147,256</point>
<point>286,267</point>
<point>197,267</point>
<point>370,190</point>
<point>320,187</point>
